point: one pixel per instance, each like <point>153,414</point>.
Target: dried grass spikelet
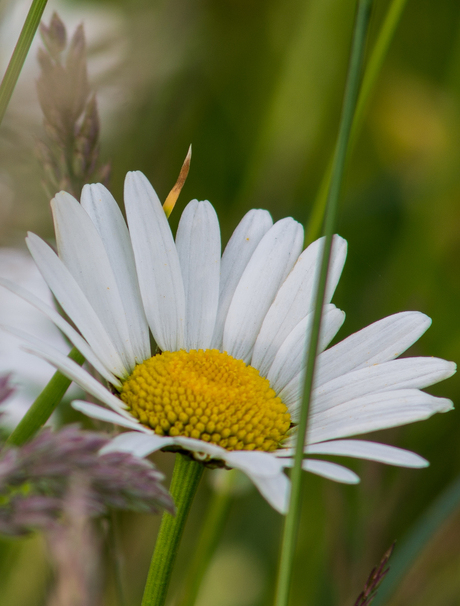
<point>69,150</point>
<point>366,597</point>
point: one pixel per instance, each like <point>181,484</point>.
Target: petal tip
<point>445,405</point>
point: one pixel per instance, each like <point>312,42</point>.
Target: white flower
<point>255,303</point>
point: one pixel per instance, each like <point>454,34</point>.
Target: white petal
<point>75,304</point>
<point>382,341</point>
<point>81,250</point>
<point>405,373</point>
<point>295,299</point>
<point>249,232</point>
<point>199,446</point>
<point>110,224</point>
<point>102,414</point>
<point>330,325</point>
<point>371,451</point>
<point>269,265</point>
<point>254,462</point>
<point>275,489</point>
<point>331,471</point>
<point>379,342</point>
<point>66,328</point>
<point>374,411</point>
<point>290,358</point>
<point>138,444</point>
<point>198,247</point>
<point>266,471</point>
<point>157,263</point>
<point>73,371</point>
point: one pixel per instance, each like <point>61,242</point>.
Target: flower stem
<point>371,74</point>
<point>44,405</point>
<point>20,53</point>
<point>186,476</point>
<point>211,531</point>
<point>291,525</point>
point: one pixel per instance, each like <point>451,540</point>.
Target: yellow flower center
<point>207,395</point>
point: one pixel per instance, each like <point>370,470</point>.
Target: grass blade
<point>348,110</point>
<point>20,53</point>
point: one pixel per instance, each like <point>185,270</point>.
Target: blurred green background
<point>256,87</point>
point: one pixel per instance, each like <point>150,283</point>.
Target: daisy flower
<point>224,378</point>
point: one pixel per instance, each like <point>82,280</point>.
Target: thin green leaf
<point>348,109</point>
<point>20,53</point>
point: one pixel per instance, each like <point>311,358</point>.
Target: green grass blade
<point>348,109</point>
<point>20,53</point>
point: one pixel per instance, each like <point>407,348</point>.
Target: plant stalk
<point>186,477</point>
<point>20,53</point>
<point>291,526</point>
<point>211,531</point>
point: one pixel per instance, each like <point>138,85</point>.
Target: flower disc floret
<point>207,395</point>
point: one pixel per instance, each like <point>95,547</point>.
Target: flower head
<point>225,381</point>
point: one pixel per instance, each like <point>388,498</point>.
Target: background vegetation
<point>256,87</point>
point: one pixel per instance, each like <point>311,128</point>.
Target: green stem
<point>291,526</point>
<point>209,537</point>
<point>370,77</point>
<point>186,476</point>
<point>20,53</point>
<point>44,405</point>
